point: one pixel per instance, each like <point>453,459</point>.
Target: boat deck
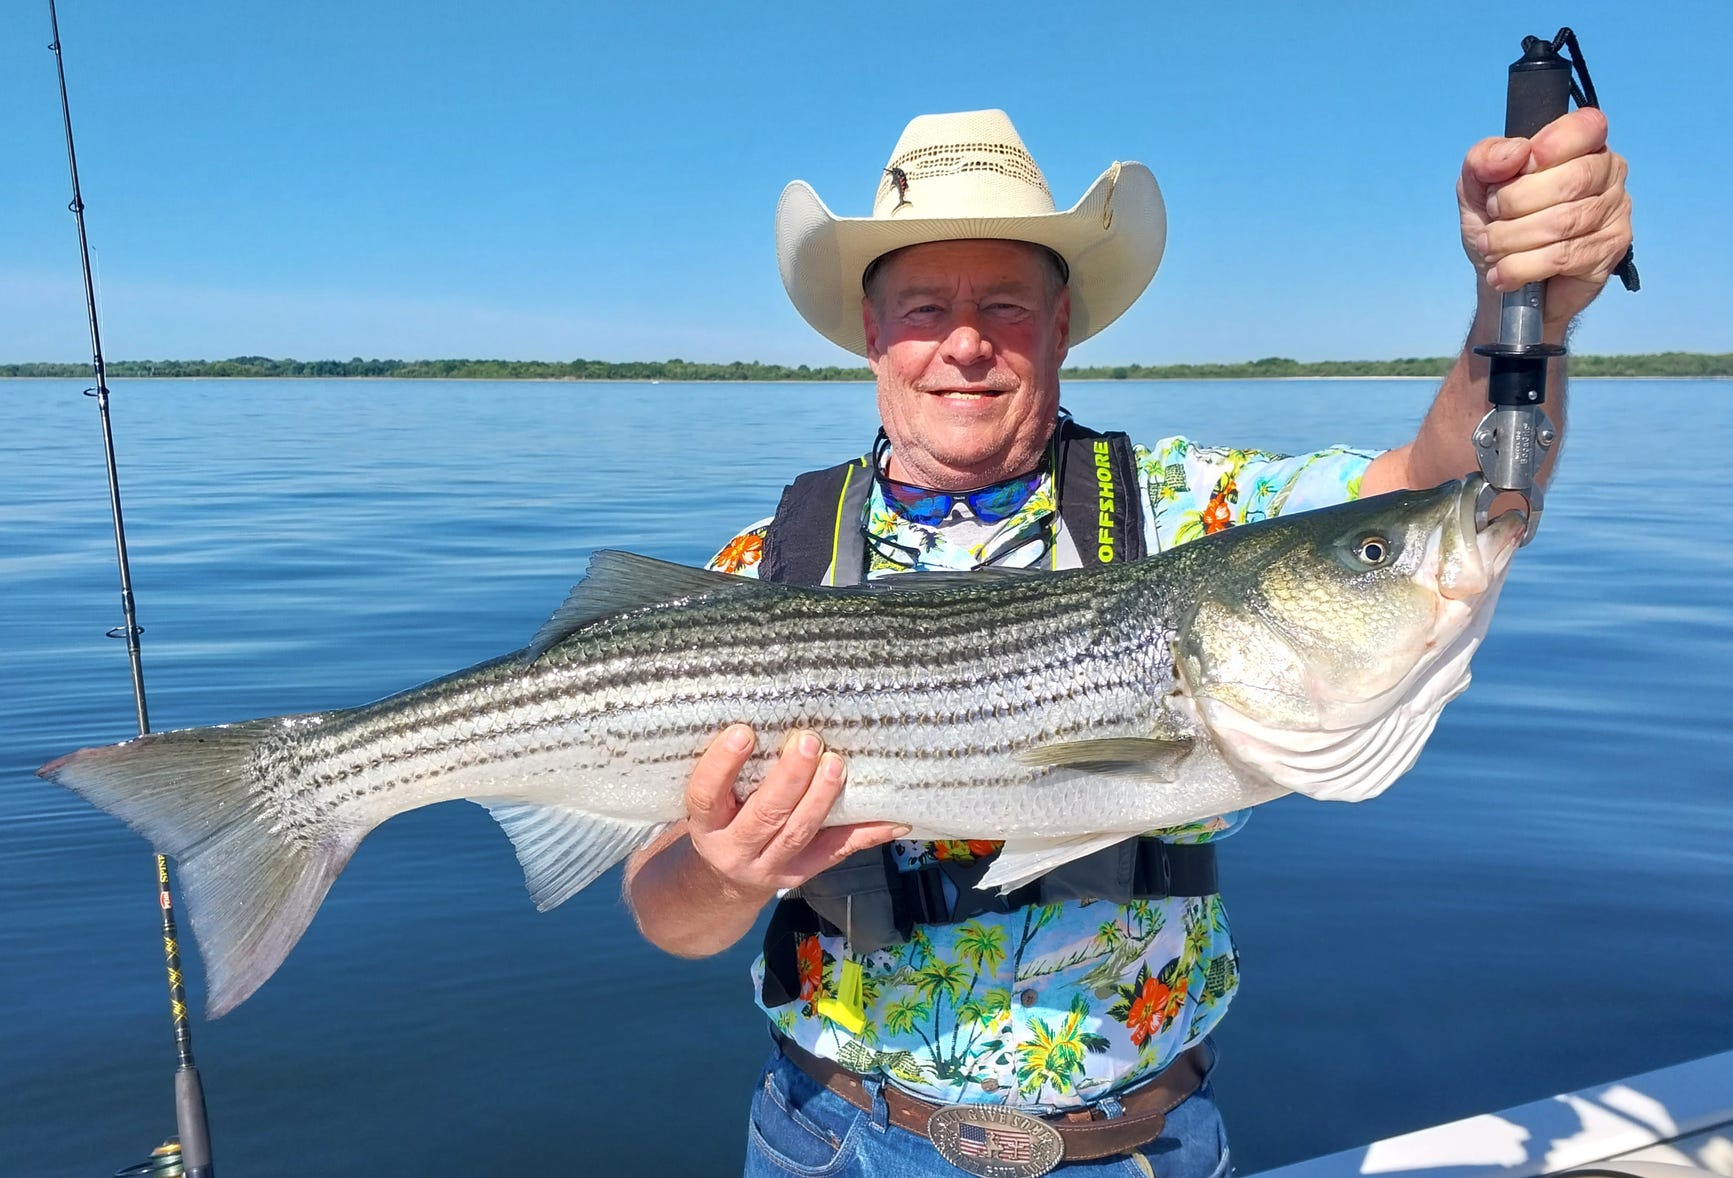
<point>1681,1115</point>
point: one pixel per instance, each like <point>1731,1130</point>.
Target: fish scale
<point>1057,711</point>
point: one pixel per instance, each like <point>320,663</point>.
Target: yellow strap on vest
<point>836,528</point>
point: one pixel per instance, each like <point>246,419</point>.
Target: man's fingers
<point>1575,179</point>
<point>710,801</point>
<point>1489,162</point>
<point>764,814</point>
<point>1493,161</point>
<point>1590,258</point>
<point>1578,133</point>
<point>1577,218</point>
<point>807,818</point>
<point>833,844</point>
<point>777,837</point>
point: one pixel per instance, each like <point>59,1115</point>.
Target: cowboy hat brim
<point>1112,240</point>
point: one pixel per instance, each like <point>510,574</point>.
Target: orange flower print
<point>742,552</point>
<point>1150,1003</point>
<point>964,850</point>
<point>1145,1010</point>
<point>809,965</point>
<point>1217,515</point>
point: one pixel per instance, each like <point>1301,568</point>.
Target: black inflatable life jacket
<point>815,538</point>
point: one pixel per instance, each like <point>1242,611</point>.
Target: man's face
<point>966,339</point>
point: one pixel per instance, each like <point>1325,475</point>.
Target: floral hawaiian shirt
<point>1056,1005</point>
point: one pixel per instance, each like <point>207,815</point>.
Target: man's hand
<point>1550,208</point>
<point>776,838</point>
<point>698,887</point>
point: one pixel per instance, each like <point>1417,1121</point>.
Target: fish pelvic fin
<point>248,884</point>
<point>562,849</point>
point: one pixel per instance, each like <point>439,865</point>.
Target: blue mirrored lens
<point>991,505</point>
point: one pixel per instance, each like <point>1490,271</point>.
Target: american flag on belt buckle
<point>994,1142</point>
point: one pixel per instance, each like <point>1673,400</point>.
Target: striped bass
<point>1060,712</point>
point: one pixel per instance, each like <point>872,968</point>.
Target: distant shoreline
<point>1658,365</point>
<point>1070,380</point>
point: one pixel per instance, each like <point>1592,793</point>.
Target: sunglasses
<point>991,504</point>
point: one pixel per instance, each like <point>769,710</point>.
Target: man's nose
<point>966,344</point>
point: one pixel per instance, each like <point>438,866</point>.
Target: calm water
<point>1542,904</point>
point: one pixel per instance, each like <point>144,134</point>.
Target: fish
<point>1059,712</point>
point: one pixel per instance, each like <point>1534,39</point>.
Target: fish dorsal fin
<point>1142,756</point>
<point>619,581</point>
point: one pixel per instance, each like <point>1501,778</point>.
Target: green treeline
<point>1660,364</point>
<point>450,369</point>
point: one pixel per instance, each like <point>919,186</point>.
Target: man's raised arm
<point>1553,209</point>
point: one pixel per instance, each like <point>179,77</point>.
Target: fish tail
<point>249,883</point>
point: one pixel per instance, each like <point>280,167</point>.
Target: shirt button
<point>1027,997</point>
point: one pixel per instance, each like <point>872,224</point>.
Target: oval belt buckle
<point>993,1141</point>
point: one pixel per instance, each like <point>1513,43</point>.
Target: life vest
<point>815,538</point>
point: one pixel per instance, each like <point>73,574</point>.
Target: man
<point>894,987</point>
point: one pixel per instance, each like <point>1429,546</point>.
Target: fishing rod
<point>1512,441</point>
<point>194,1153</point>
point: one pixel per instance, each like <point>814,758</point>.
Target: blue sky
<point>532,179</point>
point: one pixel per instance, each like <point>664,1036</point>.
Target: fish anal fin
<point>1021,860</point>
<point>563,849</point>
<point>1141,756</point>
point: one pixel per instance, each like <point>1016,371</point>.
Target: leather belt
<point>1085,1133</point>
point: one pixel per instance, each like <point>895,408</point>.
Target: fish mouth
<point>1472,560</point>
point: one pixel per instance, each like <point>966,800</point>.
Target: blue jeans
<point>797,1127</point>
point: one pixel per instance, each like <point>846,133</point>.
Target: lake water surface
<point>1545,902</point>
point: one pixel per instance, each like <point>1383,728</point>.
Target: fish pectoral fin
<point>1141,756</point>
<point>619,581</point>
<point>1021,860</point>
<point>563,849</point>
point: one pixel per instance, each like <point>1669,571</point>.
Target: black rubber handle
<point>1540,89</point>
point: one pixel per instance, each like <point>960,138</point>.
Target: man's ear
<point>1062,321</point>
<point>869,322</point>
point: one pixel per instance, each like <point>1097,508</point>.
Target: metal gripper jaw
<point>1512,442</point>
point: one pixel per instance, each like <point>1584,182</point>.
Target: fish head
<point>1322,650</point>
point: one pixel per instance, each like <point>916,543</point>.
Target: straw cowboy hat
<point>965,176</point>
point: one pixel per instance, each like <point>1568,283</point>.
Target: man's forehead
<point>991,260</point>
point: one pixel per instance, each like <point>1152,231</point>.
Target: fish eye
<point>1375,551</point>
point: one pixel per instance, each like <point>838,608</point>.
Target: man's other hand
<point>1552,208</point>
